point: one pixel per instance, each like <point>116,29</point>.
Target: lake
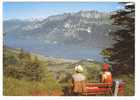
<point>54,50</point>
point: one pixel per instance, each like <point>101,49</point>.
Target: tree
<point>34,70</point>
<point>123,51</point>
<point>106,53</point>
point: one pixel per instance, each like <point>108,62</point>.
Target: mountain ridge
<point>83,27</point>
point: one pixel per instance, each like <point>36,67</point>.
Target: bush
<point>21,66</point>
<point>25,74</point>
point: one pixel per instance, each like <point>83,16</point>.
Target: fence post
<point>116,88</point>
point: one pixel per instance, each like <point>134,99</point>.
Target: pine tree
<point>123,51</point>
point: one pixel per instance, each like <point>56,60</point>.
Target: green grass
<point>15,87</point>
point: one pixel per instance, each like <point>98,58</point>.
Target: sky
<point>39,10</point>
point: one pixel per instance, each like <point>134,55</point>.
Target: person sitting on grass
<point>78,81</point>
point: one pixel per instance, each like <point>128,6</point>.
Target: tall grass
<point>16,87</point>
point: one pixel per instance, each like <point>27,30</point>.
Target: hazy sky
<point>28,10</point>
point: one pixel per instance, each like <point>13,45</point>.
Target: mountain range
<point>86,28</point>
<point>83,29</point>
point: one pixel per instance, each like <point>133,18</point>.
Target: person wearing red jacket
<point>106,76</point>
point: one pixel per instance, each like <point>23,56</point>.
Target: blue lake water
<point>54,50</point>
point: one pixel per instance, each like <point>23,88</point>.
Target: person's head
<point>79,69</point>
<point>105,67</point>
